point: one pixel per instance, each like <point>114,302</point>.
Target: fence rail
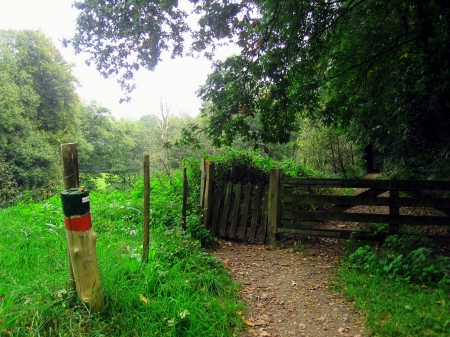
<point>292,206</point>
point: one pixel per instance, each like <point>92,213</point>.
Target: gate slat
<point>256,203</point>
<point>263,229</point>
<point>235,211</point>
<point>226,207</point>
<point>241,231</point>
<point>215,215</point>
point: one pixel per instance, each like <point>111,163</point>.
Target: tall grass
<point>402,288</point>
<point>181,291</point>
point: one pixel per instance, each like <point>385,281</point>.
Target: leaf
<point>408,307</point>
<point>143,299</point>
<point>247,322</point>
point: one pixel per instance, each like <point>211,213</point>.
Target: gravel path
<point>286,290</point>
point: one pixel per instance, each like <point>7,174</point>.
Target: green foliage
<point>409,258</point>
<point>198,231</point>
<point>246,166</point>
<point>181,291</point>
<point>393,308</point>
<point>8,185</point>
<point>377,70</point>
<point>38,107</point>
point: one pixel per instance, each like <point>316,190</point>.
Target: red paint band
<point>78,223</point>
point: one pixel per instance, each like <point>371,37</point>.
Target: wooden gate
<point>258,213</point>
<point>239,212</point>
<point>301,205</point>
<point>233,210</point>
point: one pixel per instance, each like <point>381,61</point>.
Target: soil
<point>286,290</point>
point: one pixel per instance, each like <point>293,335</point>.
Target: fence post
<point>393,210</point>
<point>81,238</point>
<point>69,158</point>
<point>274,212</point>
<point>209,189</point>
<point>146,234</point>
<point>185,195</point>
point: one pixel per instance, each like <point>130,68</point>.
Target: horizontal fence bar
<point>366,183</point>
<point>361,217</point>
<point>346,234</point>
<point>372,201</point>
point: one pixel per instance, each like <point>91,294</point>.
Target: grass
<point>181,291</point>
<point>397,295</point>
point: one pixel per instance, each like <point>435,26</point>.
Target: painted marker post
<point>81,243</point>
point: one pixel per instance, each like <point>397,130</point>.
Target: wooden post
<point>185,195</point>
<point>69,157</point>
<point>393,210</point>
<point>81,241</point>
<point>274,213</point>
<point>146,233</point>
<point>202,184</point>
<point>209,189</point>
<point>81,238</point>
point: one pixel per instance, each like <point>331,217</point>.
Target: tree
<point>25,149</point>
<point>51,78</point>
<point>377,69</point>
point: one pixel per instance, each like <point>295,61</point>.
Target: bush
<point>408,257</point>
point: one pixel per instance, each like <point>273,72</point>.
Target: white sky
<point>174,80</point>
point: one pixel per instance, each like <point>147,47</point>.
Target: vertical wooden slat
<point>274,214</point>
<point>209,189</point>
<point>245,207</point>
<point>215,216</point>
<point>146,233</point>
<point>184,205</point>
<point>255,212</point>
<point>202,184</point>
<point>262,232</point>
<point>226,208</point>
<point>393,210</point>
<point>235,212</point>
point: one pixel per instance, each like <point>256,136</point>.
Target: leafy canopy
<point>377,68</point>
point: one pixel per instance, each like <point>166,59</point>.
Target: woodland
<point>339,86</point>
<point>320,89</point>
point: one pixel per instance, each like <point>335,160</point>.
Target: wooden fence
<point>399,197</point>
<point>294,205</point>
<point>233,210</point>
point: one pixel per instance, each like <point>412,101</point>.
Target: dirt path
<point>286,290</point>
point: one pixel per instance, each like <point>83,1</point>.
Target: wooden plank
<point>356,235</point>
<point>262,232</point>
<point>377,218</point>
<point>185,196</point>
<point>235,211</point>
<point>202,184</point>
<point>422,195</point>
<point>256,202</point>
<point>208,198</point>
<point>290,224</point>
<point>274,212</point>
<point>369,193</point>
<point>226,208</point>
<point>247,190</point>
<point>218,196</point>
<point>394,210</point>
<point>367,183</point>
<point>289,200</point>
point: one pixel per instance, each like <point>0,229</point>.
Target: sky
<point>175,81</point>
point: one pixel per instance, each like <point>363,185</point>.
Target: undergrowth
<point>181,291</point>
<point>402,287</point>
